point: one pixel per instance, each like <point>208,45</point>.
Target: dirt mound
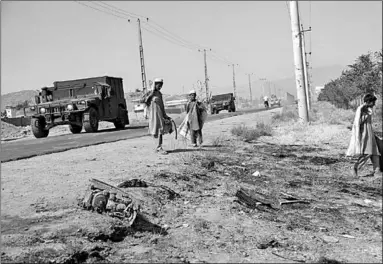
<point>9,131</point>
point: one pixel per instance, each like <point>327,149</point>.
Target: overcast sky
<point>43,42</point>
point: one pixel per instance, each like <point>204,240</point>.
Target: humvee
<point>80,104</point>
<point>274,101</point>
<point>222,102</point>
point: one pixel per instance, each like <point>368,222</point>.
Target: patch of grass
<point>218,141</point>
<point>288,113</point>
<point>341,116</point>
<point>252,133</point>
<point>326,113</point>
<point>328,261</point>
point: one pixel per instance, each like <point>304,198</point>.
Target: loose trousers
<point>362,160</point>
<point>194,134</point>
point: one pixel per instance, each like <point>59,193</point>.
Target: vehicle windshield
<point>221,97</point>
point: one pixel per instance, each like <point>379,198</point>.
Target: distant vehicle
<point>222,102</point>
<point>274,101</point>
<point>80,104</point>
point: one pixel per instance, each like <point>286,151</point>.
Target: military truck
<point>81,103</point>
<point>221,102</point>
<point>274,101</point>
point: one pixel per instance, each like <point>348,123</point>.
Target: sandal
<point>161,151</point>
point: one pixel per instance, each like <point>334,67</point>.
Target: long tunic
<point>368,141</point>
<point>362,138</point>
<point>156,113</point>
<point>197,115</point>
<point>193,120</point>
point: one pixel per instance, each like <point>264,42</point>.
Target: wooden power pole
<point>143,74</point>
<point>206,77</point>
<point>298,62</point>
<point>305,68</point>
<point>263,80</point>
<point>234,88</point>
<point>251,96</point>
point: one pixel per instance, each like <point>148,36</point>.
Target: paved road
<point>26,148</point>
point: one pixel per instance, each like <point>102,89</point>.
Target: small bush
<point>326,113</point>
<point>286,115</point>
<point>218,141</point>
<point>249,134</point>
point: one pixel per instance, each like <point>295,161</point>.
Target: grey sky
<point>42,42</point>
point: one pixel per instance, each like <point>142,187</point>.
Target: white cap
<point>192,92</point>
<point>158,80</point>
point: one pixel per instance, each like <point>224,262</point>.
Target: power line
<point>288,9</point>
<point>154,28</point>
<point>95,2</point>
<point>158,28</point>
<point>187,42</point>
<point>164,30</point>
<point>165,37</point>
<point>310,33</point>
<point>124,11</point>
<point>103,11</point>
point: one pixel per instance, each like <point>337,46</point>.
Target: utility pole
<point>305,69</point>
<point>251,96</point>
<point>269,87</point>
<point>298,62</point>
<point>143,74</point>
<point>234,88</point>
<point>200,86</point>
<point>206,77</point>
<point>263,86</point>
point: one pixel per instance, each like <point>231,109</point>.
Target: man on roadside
<point>266,101</point>
<point>156,113</point>
<point>363,143</point>
<point>196,117</point>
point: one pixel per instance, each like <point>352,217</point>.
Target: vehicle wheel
<point>233,110</point>
<point>38,128</point>
<point>120,122</point>
<point>75,129</point>
<point>91,123</point>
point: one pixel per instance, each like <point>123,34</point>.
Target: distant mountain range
<point>13,99</point>
<point>320,76</point>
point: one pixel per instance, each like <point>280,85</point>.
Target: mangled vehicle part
<point>105,198</point>
<point>138,183</point>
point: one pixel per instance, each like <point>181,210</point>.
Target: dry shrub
<point>288,113</point>
<point>218,141</point>
<point>377,118</point>
<point>326,113</point>
<point>252,133</point>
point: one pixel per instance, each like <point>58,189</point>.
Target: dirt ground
<point>341,221</point>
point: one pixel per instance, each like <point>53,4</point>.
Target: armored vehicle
<point>222,102</point>
<point>274,101</point>
<point>80,104</point>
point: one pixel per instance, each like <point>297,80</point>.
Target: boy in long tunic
<point>156,113</point>
<point>363,143</point>
<point>195,111</point>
